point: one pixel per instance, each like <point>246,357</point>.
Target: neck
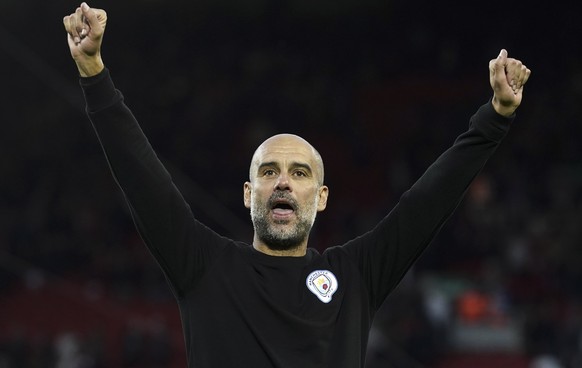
<point>298,251</point>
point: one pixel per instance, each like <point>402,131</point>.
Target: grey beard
<point>279,240</point>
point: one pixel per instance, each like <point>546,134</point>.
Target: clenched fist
<point>507,77</point>
<point>85,28</point>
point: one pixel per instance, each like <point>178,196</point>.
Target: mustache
<point>282,197</point>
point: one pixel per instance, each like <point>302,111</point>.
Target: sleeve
<point>385,254</point>
<point>182,246</point>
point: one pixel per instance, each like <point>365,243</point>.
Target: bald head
<point>291,147</point>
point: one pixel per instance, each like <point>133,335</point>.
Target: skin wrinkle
<point>260,149</point>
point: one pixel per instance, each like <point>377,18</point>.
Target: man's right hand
<point>85,28</point>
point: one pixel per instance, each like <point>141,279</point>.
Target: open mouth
<point>282,207</point>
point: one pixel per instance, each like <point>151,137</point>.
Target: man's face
<point>285,192</point>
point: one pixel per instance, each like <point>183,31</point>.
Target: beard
<point>280,234</point>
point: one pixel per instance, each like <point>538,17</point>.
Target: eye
<point>269,172</point>
<point>300,173</point>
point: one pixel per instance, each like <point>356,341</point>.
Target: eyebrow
<point>293,165</point>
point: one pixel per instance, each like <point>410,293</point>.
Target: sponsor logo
<point>323,284</point>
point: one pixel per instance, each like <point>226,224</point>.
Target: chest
<point>309,292</point>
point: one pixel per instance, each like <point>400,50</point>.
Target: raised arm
<point>182,246</point>
<point>386,253</point>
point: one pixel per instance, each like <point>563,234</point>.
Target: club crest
<point>323,284</point>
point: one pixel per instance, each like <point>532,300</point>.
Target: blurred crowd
<point>378,96</point>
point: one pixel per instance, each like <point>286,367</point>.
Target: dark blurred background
<point>381,88</point>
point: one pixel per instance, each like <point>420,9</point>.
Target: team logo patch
<point>323,284</point>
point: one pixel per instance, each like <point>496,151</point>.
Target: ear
<point>323,194</point>
<point>247,188</point>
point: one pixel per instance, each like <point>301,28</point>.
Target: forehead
<point>286,149</point>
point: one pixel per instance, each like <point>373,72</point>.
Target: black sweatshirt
<point>243,308</point>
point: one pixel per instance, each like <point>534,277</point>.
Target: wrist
<point>89,67</point>
<point>502,109</point>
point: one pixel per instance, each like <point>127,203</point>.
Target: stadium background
<point>379,87</point>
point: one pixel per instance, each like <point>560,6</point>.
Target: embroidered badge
<point>323,284</point>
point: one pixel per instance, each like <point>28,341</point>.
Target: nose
<point>283,182</point>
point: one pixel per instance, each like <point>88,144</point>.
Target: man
<point>276,302</point>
